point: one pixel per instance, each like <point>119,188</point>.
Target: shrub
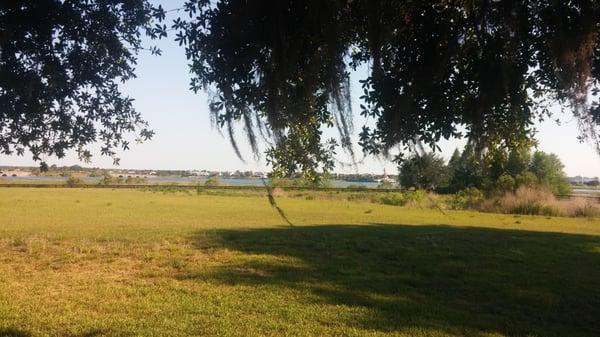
<point>529,201</point>
<point>74,181</point>
<point>393,198</point>
<point>95,173</point>
<point>581,207</point>
<point>212,181</point>
<point>585,211</point>
<point>527,180</point>
<point>135,180</point>
<point>505,183</point>
<point>106,179</point>
<point>534,208</point>
<point>526,201</point>
<point>469,198</point>
<point>416,198</point>
<point>300,182</point>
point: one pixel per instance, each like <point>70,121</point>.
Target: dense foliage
<point>435,67</point>
<point>506,170</point>
<point>61,63</point>
<point>427,171</point>
<point>499,172</point>
<point>485,70</point>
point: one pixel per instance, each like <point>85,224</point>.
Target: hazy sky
<point>185,138</point>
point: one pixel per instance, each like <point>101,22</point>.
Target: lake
<point>196,180</point>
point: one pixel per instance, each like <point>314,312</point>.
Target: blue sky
<point>185,138</point>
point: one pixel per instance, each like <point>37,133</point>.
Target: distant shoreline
<point>154,180</point>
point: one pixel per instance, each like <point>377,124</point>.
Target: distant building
<point>579,180</point>
<point>194,173</point>
<point>385,178</point>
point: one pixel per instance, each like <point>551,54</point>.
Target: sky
<point>186,140</point>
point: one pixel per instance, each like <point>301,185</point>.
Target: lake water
<point>585,191</point>
<point>233,182</point>
<point>196,180</point>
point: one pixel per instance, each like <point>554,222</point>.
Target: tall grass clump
<point>581,207</point>
<point>531,201</point>
<point>526,201</point>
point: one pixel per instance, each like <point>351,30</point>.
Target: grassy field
<point>100,262</point>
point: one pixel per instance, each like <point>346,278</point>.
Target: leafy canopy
<point>61,63</point>
<point>491,68</point>
<point>427,171</point>
<point>485,70</point>
<point>505,170</point>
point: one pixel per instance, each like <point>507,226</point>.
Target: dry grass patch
<point>529,201</point>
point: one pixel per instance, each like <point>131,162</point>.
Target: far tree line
<point>499,172</point>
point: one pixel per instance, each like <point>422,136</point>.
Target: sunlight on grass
<point>91,262</point>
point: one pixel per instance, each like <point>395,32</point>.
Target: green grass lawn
<point>99,262</point>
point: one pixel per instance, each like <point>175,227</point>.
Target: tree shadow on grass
<point>12,332</point>
<point>462,280</point>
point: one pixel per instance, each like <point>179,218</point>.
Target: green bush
<point>106,179</point>
<point>300,182</point>
<point>393,198</point>
<point>135,180</point>
<point>527,179</point>
<point>469,198</point>
<point>417,197</point>
<point>414,199</point>
<point>212,181</point>
<point>505,183</point>
<point>74,181</point>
